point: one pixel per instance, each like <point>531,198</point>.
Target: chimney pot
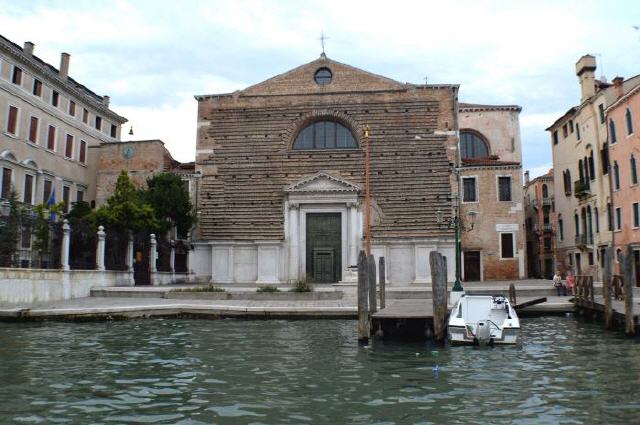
<point>526,177</point>
<point>64,65</point>
<point>617,84</point>
<point>105,100</point>
<point>28,48</point>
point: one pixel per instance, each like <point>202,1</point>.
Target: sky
<point>152,57</point>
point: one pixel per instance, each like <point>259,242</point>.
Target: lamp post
<point>457,223</point>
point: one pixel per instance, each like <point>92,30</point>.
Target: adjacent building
<point>491,211</point>
<point>540,225</point>
<point>623,123</point>
<point>582,175</point>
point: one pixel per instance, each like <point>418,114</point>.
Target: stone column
<point>189,255</point>
<point>66,241</point>
<point>172,257</point>
<point>129,259</point>
<point>294,237</point>
<point>352,209</point>
<point>100,251</point>
<point>153,255</point>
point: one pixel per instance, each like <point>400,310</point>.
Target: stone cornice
<point>43,71</point>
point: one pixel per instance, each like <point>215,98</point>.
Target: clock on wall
<point>128,152</point>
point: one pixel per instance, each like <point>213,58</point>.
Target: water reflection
<point>268,372</point>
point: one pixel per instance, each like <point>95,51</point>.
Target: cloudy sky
<point>151,57</point>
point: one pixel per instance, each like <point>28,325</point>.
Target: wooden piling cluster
<point>616,306</point>
<point>367,293</point>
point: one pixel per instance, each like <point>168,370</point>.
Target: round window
<point>323,76</point>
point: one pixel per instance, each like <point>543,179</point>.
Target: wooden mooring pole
<point>606,288</point>
<point>629,327</point>
<point>363,298</point>
<point>371,280</point>
<point>439,291</point>
<point>383,282</point>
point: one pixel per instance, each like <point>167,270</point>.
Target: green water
<point>281,372</point>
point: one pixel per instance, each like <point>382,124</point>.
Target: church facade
<point>282,166</point>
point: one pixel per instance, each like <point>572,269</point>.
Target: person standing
<point>557,283</point>
<point>571,283</point>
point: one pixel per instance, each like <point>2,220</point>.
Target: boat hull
<point>459,336</point>
<point>483,320</point>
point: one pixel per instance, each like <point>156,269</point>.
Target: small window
<point>7,174</point>
<point>506,245</point>
<point>47,191</point>
<point>612,132</point>
<point>25,237</point>
<point>82,157</point>
<point>618,218</point>
<point>37,87</point>
<point>629,120</point>
<point>33,130</point>
<point>578,135</point>
<point>636,214</point>
<point>609,216</point>
<point>634,170</point>
<point>113,130</point>
<point>565,131</point>
<point>98,123</point>
<point>616,175</point>
<point>55,98</point>
<point>16,77</point>
<point>68,147</point>
<point>571,126</point>
<point>545,191</point>
<point>504,189</point>
<point>601,112</point>
<point>592,166</point>
<point>66,191</point>
<point>51,138</point>
<point>72,108</point>
<point>325,135</point>
<point>555,137</point>
<point>597,218</point>
<point>27,194</point>
<point>85,116</point>
<point>323,76</point>
<point>80,195</point>
<point>12,120</point>
<point>469,192</point>
<point>561,228</point>
<point>590,258</point>
<point>472,145</point>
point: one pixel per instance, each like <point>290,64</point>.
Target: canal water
<point>296,372</point>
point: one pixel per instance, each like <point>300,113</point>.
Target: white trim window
<point>7,182</point>
<point>507,245</point>
<point>34,129</point>
<point>618,217</point>
<point>68,146</point>
<point>635,208</point>
<point>504,188</point>
<point>29,188</point>
<point>51,137</point>
<point>469,189</point>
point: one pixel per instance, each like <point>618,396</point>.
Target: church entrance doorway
<point>324,247</point>
<point>471,266</point>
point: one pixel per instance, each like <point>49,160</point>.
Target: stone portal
<point>324,247</point>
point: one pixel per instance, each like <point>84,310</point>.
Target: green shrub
<point>302,286</point>
<point>268,289</point>
<point>208,288</point>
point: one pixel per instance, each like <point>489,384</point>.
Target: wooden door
<point>471,266</point>
<point>636,264</point>
<point>324,247</point>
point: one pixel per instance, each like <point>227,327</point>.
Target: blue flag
<point>50,202</point>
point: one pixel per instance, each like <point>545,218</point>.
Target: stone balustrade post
<point>153,255</point>
<point>129,259</point>
<point>189,255</point>
<point>100,251</point>
<point>66,242</point>
<point>172,257</point>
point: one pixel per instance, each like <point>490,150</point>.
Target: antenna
<point>600,65</point>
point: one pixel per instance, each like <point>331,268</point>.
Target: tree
<point>170,200</point>
<point>126,210</point>
<point>42,228</point>
<point>10,231</point>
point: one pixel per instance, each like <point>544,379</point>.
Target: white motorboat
<point>483,320</point>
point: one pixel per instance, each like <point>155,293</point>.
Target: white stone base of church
<point>267,262</point>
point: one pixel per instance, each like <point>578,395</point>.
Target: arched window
<point>634,171</point>
<point>612,132</point>
<point>629,121</point>
<point>325,135</point>
<point>545,191</point>
<point>472,145</point>
<point>616,175</point>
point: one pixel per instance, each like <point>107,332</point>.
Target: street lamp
<point>459,225</point>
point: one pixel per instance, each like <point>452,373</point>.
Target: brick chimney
<point>28,48</point>
<point>64,65</point>
<point>526,177</point>
<point>106,100</point>
<point>617,84</point>
<point>585,70</point>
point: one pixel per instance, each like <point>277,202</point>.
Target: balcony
<point>583,240</point>
<point>534,203</point>
<point>543,228</point>
<point>581,189</point>
<point>546,202</point>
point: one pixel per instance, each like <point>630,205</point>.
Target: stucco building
<point>623,123</point>
<point>540,225</point>
<point>582,175</point>
<point>491,192</point>
<point>282,165</point>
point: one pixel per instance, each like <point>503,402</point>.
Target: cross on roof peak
<point>322,39</point>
